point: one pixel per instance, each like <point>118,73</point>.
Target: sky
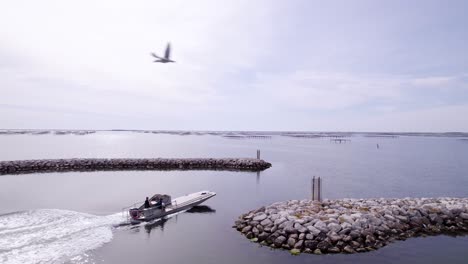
<point>396,66</point>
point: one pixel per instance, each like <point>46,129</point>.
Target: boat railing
<point>125,210</point>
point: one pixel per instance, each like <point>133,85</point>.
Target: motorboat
<point>161,205</point>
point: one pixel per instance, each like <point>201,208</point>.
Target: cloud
<point>440,81</point>
<point>94,43</point>
<point>309,90</point>
<point>240,64</point>
<point>450,118</point>
<point>87,55</point>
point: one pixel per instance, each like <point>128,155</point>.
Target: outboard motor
<point>135,213</point>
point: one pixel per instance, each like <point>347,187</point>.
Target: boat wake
<point>53,236</point>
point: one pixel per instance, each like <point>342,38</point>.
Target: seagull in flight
<point>167,55</point>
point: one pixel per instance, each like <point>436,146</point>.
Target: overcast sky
<point>241,65</point>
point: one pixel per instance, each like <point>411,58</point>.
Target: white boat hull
<point>179,204</point>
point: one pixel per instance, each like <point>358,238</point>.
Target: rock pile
<point>63,165</point>
<point>351,225</point>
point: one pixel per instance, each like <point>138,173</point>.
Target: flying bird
<point>167,55</point>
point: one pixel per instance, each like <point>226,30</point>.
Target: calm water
<point>87,205</point>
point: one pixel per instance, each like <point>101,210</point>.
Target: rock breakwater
<point>64,165</point>
<point>351,225</point>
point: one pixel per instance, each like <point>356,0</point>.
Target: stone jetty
<point>351,225</point>
<point>64,165</point>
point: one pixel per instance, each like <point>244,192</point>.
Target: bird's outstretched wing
<point>167,54</point>
<point>156,56</point>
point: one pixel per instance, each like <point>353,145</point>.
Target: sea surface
<point>74,217</point>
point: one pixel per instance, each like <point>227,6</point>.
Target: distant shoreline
<point>237,134</point>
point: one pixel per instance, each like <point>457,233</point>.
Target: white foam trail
<point>52,236</point>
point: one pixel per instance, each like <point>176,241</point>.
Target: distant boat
<point>167,55</point>
<point>161,205</point>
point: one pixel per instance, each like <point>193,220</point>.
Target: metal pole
<point>313,188</point>
<point>319,191</point>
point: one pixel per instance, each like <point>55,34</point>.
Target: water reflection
<point>160,223</point>
<point>201,209</point>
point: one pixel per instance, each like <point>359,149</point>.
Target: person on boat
<point>147,204</point>
<point>158,203</point>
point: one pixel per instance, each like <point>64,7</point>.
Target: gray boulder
<point>313,230</point>
<point>291,242</point>
<point>279,241</point>
<point>354,234</point>
<point>246,229</point>
<point>334,237</point>
<point>255,231</point>
<point>323,245</point>
<point>464,216</point>
<point>289,229</point>
<point>262,236</point>
<point>260,217</point>
<point>300,228</point>
<point>266,222</point>
<point>317,252</point>
<point>349,250</point>
<point>279,221</point>
<point>334,227</point>
<point>321,226</point>
<point>355,244</point>
<point>299,244</point>
<point>346,219</point>
<point>334,250</point>
<point>310,244</point>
